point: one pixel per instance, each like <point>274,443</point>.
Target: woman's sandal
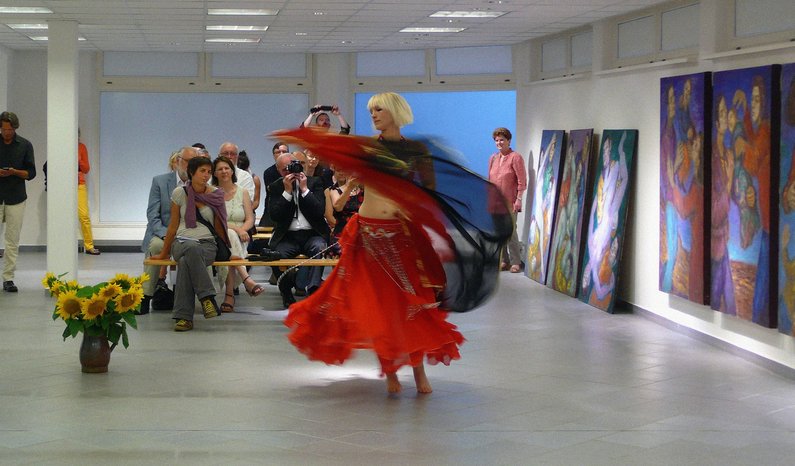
<point>254,290</point>
<point>228,307</point>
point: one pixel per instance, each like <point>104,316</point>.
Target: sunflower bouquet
<point>104,309</point>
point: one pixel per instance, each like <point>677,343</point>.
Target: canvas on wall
<point>786,264</point>
<point>684,120</point>
<point>564,259</point>
<point>542,214</point>
<point>607,218</point>
<point>744,194</point>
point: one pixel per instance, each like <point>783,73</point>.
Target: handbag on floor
<point>163,298</point>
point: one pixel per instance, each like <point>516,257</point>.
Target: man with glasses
<point>158,215</point>
<point>17,165</point>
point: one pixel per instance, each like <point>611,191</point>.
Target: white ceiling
<point>306,26</point>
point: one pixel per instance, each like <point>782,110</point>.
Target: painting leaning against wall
<point>542,215</point>
<point>684,120</point>
<point>564,259</point>
<point>786,265</point>
<point>607,218</point>
<point>744,213</point>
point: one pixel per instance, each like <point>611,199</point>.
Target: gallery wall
<point>631,100</point>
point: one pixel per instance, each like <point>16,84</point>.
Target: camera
<point>321,108</point>
<point>295,167</point>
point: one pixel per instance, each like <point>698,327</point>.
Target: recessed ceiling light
<point>346,42</point>
<point>237,40</point>
<point>318,13</point>
<point>223,27</point>
<point>241,12</point>
<point>24,9</point>
<point>45,38</point>
<point>28,26</point>
<point>432,29</point>
<point>468,14</point>
<point>301,34</point>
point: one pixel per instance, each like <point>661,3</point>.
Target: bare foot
<point>392,383</point>
<point>423,385</point>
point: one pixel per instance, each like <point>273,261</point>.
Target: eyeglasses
<point>228,152</point>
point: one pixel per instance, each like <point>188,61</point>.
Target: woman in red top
<point>506,170</point>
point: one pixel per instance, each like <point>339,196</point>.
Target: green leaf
<point>114,333</point>
<point>124,339</point>
<point>129,317</point>
<point>74,327</point>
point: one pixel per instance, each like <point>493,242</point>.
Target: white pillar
<point>62,73</point>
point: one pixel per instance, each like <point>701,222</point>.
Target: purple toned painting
<point>684,115</point>
<point>542,214</point>
<point>786,265</point>
<point>744,211</point>
<point>564,262</point>
<point>607,218</point>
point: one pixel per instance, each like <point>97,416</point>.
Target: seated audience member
<point>297,204</point>
<point>343,201</point>
<point>239,219</point>
<point>320,119</point>
<point>192,243</point>
<point>244,163</point>
<point>158,216</point>
<point>244,179</point>
<point>315,168</point>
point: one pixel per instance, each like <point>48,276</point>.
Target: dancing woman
<point>384,294</point>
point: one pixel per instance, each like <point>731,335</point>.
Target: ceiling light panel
<point>431,30</point>
<point>224,27</point>
<point>241,12</point>
<point>468,14</point>
<point>24,10</point>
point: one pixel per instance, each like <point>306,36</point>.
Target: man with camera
<point>296,204</point>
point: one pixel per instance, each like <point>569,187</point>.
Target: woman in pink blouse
<point>506,170</point>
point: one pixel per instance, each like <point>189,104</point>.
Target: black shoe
<point>273,279</point>
<point>300,292</point>
<point>144,306</point>
<point>310,290</point>
<point>236,291</point>
<point>10,287</point>
<point>287,299</point>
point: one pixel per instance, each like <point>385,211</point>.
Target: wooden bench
<point>248,263</point>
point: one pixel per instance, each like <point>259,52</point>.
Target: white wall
<point>631,100</point>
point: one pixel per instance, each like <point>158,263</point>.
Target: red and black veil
<point>465,215</point>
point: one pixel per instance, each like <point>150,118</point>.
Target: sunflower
<point>144,277</point>
<point>69,305</point>
<point>72,285</point>
<point>48,280</point>
<point>122,279</point>
<point>129,300</point>
<point>110,291</point>
<point>94,307</point>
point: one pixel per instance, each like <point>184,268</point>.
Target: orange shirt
<point>83,166</point>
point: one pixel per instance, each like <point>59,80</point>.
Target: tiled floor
<point>543,379</point>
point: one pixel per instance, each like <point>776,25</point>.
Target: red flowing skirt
<point>380,296</point>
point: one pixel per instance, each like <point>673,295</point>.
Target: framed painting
<point>542,214</point>
<point>744,217</point>
<point>786,264</point>
<point>564,259</point>
<point>607,218</point>
<point>684,120</point>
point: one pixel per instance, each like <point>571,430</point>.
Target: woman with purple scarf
<point>192,243</point>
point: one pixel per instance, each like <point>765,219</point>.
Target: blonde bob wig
<point>395,104</point>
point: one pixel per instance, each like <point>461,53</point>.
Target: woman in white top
<point>240,219</point>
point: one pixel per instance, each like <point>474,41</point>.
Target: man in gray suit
<point>158,215</point>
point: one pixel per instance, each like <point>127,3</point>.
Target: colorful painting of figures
<point>607,218</point>
<point>743,193</point>
<point>684,102</point>
<point>786,266</point>
<point>544,203</point>
<point>564,259</point>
